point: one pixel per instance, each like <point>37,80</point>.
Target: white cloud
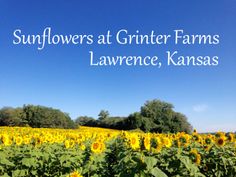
<point>200,108</point>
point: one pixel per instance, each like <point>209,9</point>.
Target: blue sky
<point>61,77</point>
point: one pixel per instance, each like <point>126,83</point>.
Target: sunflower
<point>134,141</point>
<point>27,140</point>
<point>49,138</point>
<point>178,144</point>
<point>157,144</point>
<point>72,143</point>
<point>195,156</point>
<point>146,142</point>
<point>18,140</point>
<point>207,147</point>
<point>75,174</point>
<point>82,147</point>
<point>219,134</point>
<point>205,168</point>
<point>184,140</point>
<point>102,146</point>
<point>197,138</point>
<point>38,141</point>
<point>230,137</point>
<point>166,142</point>
<point>67,144</point>
<point>208,140</point>
<point>6,140</point>
<point>97,147</point>
<point>220,141</point>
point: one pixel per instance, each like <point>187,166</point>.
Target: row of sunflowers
<point>88,151</point>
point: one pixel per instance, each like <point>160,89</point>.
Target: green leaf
<point>5,175</point>
<point>1,169</point>
<point>150,162</point>
<point>64,158</point>
<point>5,161</point>
<point>66,164</point>
<point>95,175</point>
<point>33,172</point>
<point>142,174</point>
<point>93,168</point>
<point>46,156</point>
<point>29,162</point>
<point>158,173</point>
<point>3,154</point>
<point>18,173</point>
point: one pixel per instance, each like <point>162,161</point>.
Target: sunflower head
<point>147,142</point>
<point>67,144</point>
<point>230,137</point>
<point>27,140</point>
<point>195,131</point>
<point>156,144</point>
<point>82,147</point>
<point>219,134</point>
<point>166,142</point>
<point>208,140</point>
<point>207,147</point>
<point>72,143</point>
<point>134,141</point>
<point>18,140</point>
<point>97,147</point>
<point>38,141</point>
<point>195,156</point>
<point>220,141</point>
<point>75,174</point>
<point>6,140</point>
<point>205,168</point>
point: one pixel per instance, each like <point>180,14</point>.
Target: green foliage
<point>158,116</point>
<point>47,160</point>
<point>154,116</point>
<point>11,117</point>
<point>113,123</point>
<point>103,115</point>
<point>118,160</point>
<point>135,120</point>
<point>86,121</point>
<point>220,162</point>
<point>35,116</point>
<point>40,116</point>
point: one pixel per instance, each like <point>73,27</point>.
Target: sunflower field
<point>101,152</point>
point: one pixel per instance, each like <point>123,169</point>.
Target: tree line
<point>36,117</point>
<point>154,116</point>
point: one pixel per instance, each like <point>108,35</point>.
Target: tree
<point>135,120</point>
<point>11,116</point>
<point>157,110</point>
<point>86,121</point>
<point>180,123</point>
<point>159,116</point>
<point>154,116</point>
<point>112,122</point>
<point>103,115</point>
<point>41,116</point>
